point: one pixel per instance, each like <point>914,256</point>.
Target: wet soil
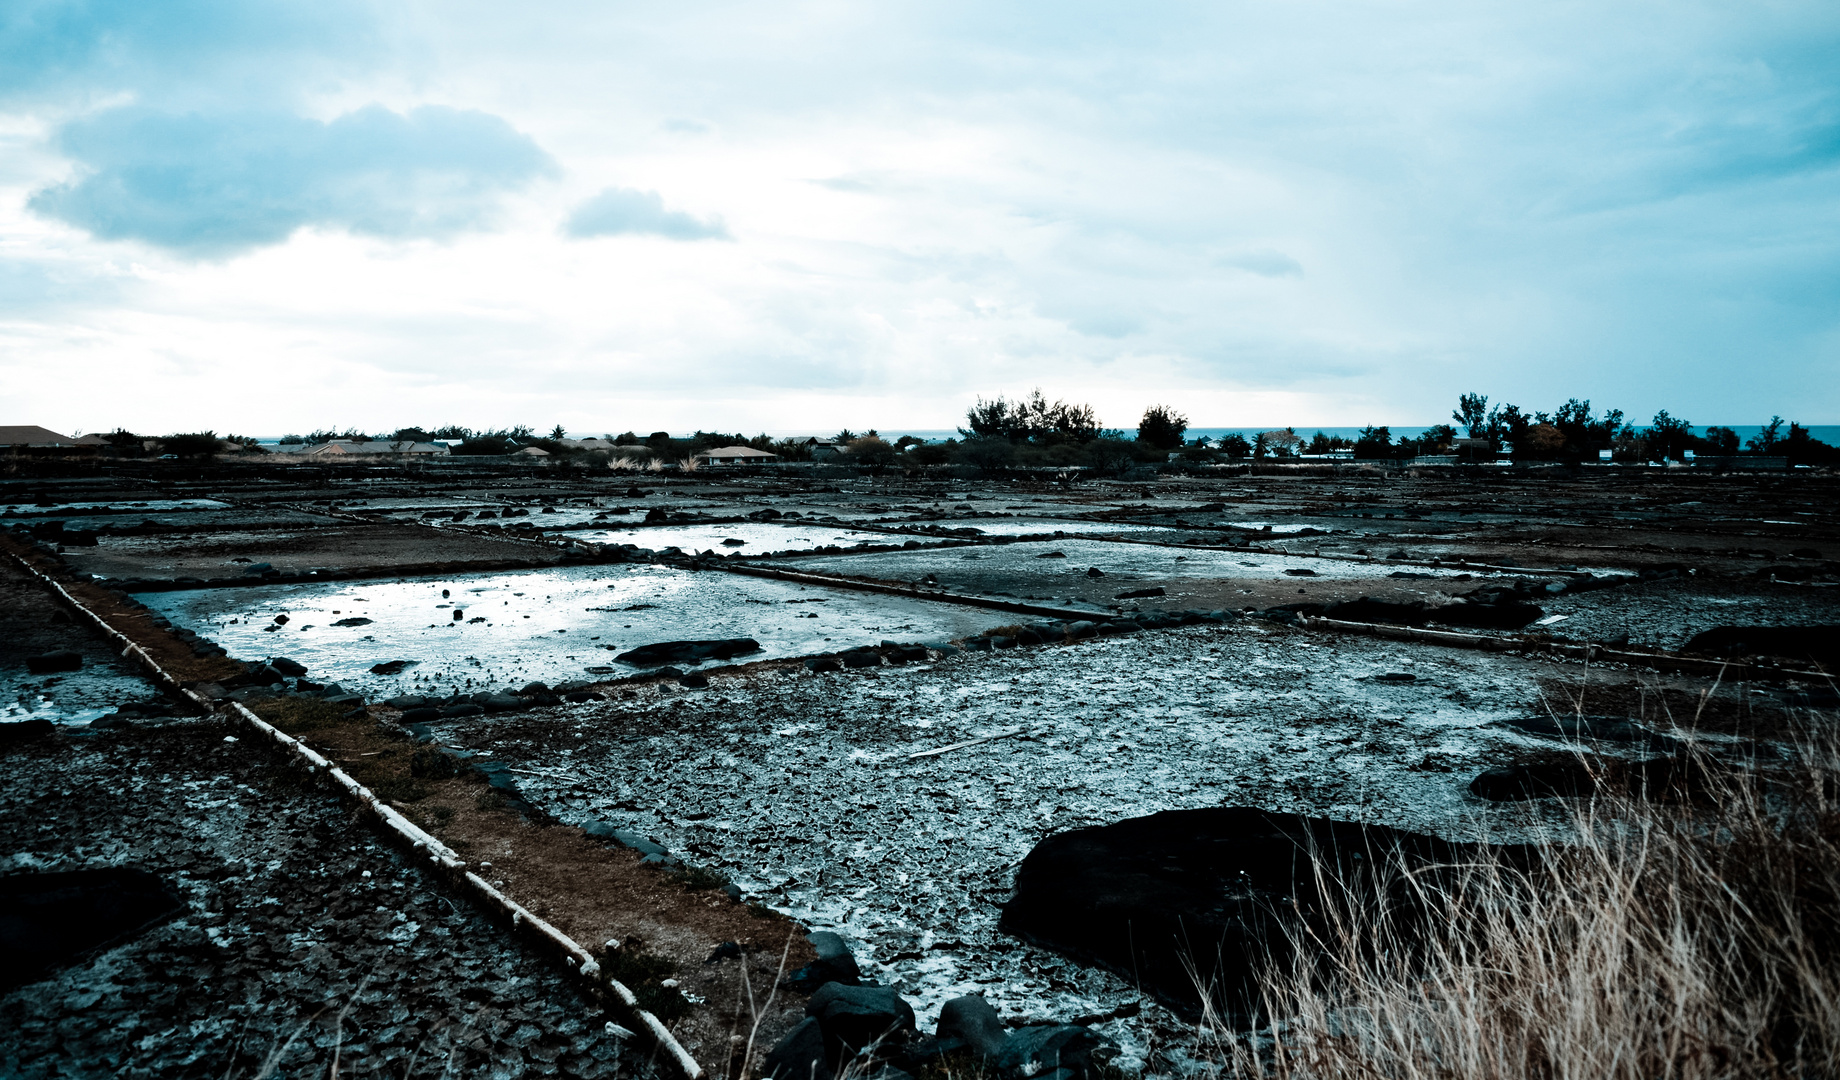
<point>332,546</point>
<point>303,939</point>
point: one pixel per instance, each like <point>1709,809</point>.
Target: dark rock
<point>835,964</point>
<point>281,620</point>
<point>534,688</point>
<point>391,667</point>
<point>459,613</point>
<point>695,680</point>
<point>728,950</point>
<point>1094,572</point>
<point>405,702</point>
<point>1567,778</point>
<point>854,1018</point>
<point>499,702</point>
<point>1054,1052</point>
<point>1815,644</point>
<point>1150,898</point>
<point>1573,728</point>
<point>58,660</point>
<point>1138,594</point>
<point>48,921</point>
<point>907,654</point>
<point>800,1055</point>
<point>16,732</point>
<point>603,830</point>
<point>1028,635</point>
<point>293,669</point>
<point>452,712</point>
<point>1300,571</point>
<point>359,620</point>
<point>1052,555</point>
<point>824,663</point>
<point>579,696</point>
<point>1396,677</point>
<point>687,652</point>
<point>860,657</point>
<point>425,715</point>
<point>1082,629</point>
<point>972,1021</point>
<point>1125,626</point>
<point>978,644</point>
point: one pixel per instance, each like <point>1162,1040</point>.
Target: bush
<point>1694,933</point>
<point>1162,427</point>
<point>197,444</point>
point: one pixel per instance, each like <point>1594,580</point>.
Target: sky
<point>264,217</point>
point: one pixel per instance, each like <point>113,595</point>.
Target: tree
<point>1472,412</point>
<point>988,454</point>
<point>1765,441</point>
<point>410,434</point>
<point>1162,427</point>
<point>557,432</point>
<point>1032,419</point>
<point>1322,443</point>
<point>1584,436</point>
<point>1374,443</point>
<point>195,444</point>
<point>1540,442</point>
<point>1235,446</point>
<point>1507,426</point>
<point>1803,449</point>
<point>1668,438</point>
<point>871,452</point>
<point>1722,441</point>
<point>1280,442</point>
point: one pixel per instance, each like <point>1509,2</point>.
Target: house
<point>820,447</point>
<point>589,444</point>
<point>534,451</point>
<point>735,455</point>
<point>33,435</point>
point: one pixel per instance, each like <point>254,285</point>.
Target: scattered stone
<point>1138,594</point>
<point>1094,572</point>
<point>824,663</point>
<point>1054,1052</point>
<point>854,1018</point>
<point>359,620</point>
<point>800,1055</point>
<point>293,669</point>
<point>391,667</point>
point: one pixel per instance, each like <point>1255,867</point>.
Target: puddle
<point>1022,565</point>
<point>1037,526</point>
<point>71,697</point>
<point>758,539</point>
<point>541,625</point>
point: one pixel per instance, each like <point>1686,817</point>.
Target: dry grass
<point>1696,936</point>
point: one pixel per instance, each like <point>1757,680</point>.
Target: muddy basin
<point>756,538</point>
<point>548,625</point>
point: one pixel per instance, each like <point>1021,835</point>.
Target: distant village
<point>1027,433</point>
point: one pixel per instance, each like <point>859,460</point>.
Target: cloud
<point>216,185</point>
<point>107,45</point>
<point>621,211</point>
<point>1264,262</point>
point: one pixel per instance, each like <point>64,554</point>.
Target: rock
<point>1534,780</point>
<point>293,669</point>
<point>406,702</point>
<point>1054,1052</point>
<point>1572,728</point>
<point>58,660</point>
<point>1396,677</point>
<point>835,963</point>
<point>1124,626</point>
<point>530,689</point>
<point>579,696</point>
<point>824,663</point>
<point>422,715</point>
<point>359,620</point>
<point>695,680</point>
<point>391,667</point>
<point>854,1018</point>
<point>281,620</point>
<point>459,613</point>
<point>1028,635</point>
<point>907,654</point>
<point>728,950</point>
<point>973,1023</point>
<point>800,1055</point>
<point>1138,594</point>
<point>1094,572</point>
<point>499,702</point>
<point>1816,644</point>
<point>1082,629</point>
<point>1052,555</point>
<point>50,920</point>
<point>687,652</point>
<point>1300,571</point>
<point>1150,896</point>
<point>453,712</point>
<point>23,731</point>
<point>861,657</point>
<point>604,830</point>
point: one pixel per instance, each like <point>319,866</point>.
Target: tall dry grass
<point>1672,934</point>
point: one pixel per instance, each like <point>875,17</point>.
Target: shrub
<point>1162,428</point>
